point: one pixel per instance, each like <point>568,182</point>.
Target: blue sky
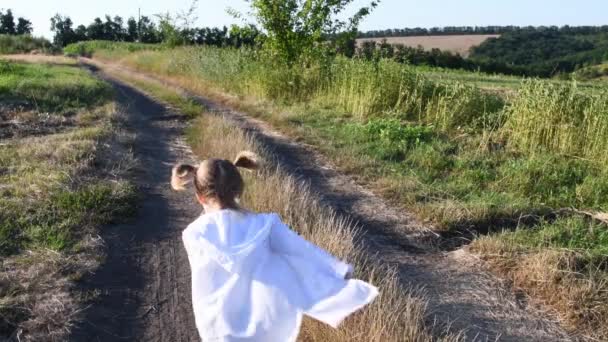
<point>390,13</point>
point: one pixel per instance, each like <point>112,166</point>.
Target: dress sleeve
<point>283,240</point>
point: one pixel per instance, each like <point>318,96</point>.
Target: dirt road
<point>145,281</point>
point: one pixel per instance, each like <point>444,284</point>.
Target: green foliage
<point>24,26</point>
<point>11,44</point>
<point>542,52</point>
<point>7,23</point>
<point>592,72</point>
<point>64,33</point>
<point>449,150</point>
<point>58,221</point>
<point>391,139</point>
<point>298,29</point>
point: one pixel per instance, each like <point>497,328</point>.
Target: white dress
<point>253,278</point>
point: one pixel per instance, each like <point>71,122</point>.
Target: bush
<point>10,44</point>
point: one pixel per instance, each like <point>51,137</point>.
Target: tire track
<point>144,283</point>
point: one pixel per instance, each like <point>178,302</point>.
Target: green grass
<point>10,44</point>
<point>44,201</point>
<point>504,84</point>
<point>58,185</point>
<point>454,180</point>
<point>457,155</point>
<point>571,234</point>
<point>88,48</point>
<point>51,88</point>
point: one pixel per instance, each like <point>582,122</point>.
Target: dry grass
<point>42,59</point>
<point>37,291</point>
<point>61,177</point>
<point>398,313</point>
<point>557,278</point>
<point>460,44</point>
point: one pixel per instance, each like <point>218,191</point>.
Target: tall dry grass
<point>562,279</point>
<point>398,314</point>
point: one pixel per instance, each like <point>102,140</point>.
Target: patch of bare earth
<point>462,294</point>
<point>460,44</point>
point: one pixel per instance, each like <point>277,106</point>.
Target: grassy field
<point>63,173</point>
<point>467,161</point>
<point>460,44</point>
<point>272,190</point>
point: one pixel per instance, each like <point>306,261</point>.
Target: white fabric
<point>253,278</point>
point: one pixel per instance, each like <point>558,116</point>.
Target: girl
<point>252,277</point>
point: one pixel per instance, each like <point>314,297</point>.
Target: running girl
<point>252,277</point>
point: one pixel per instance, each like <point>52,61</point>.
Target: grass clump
<point>562,263</point>
<point>58,185</point>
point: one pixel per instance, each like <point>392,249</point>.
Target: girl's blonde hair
<point>218,179</point>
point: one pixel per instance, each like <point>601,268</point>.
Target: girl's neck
<point>212,207</point>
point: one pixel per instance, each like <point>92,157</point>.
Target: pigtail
<point>181,175</point>
<point>247,160</point>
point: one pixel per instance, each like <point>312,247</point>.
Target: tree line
<point>542,53</point>
<point>524,52</point>
<point>371,50</point>
<point>465,30</point>
<point>146,30</point>
<point>8,25</point>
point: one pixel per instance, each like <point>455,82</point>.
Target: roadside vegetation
<point>397,315</point>
<point>273,190</point>
<point>10,44</point>
<point>465,160</point>
<point>64,162</point>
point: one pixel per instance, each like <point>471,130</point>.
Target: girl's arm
<point>283,240</point>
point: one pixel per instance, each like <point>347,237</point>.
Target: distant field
<point>459,43</point>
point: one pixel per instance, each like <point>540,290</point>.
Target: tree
<point>176,29</point>
<point>62,27</point>
<point>169,31</point>
<point>7,23</point>
<point>243,36</point>
<point>81,33</point>
<point>113,29</point>
<point>24,26</point>
<point>297,28</point>
<point>132,30</point>
<point>147,31</point>
<point>95,30</point>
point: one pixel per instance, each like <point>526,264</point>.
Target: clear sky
<point>390,13</point>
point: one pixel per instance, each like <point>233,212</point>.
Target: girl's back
<point>253,278</point>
